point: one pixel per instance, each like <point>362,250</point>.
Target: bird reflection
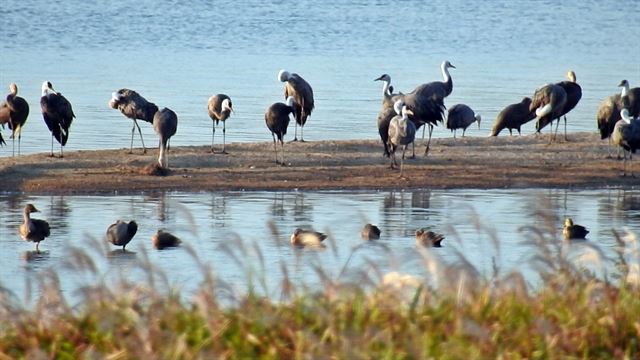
<point>277,206</point>
<point>59,212</point>
<point>301,210</point>
<point>35,256</point>
<point>420,199</point>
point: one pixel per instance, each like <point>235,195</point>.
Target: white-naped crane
<point>57,113</point>
<point>220,108</point>
<point>302,93</point>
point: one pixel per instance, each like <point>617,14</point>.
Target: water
<point>219,224</point>
<point>178,54</point>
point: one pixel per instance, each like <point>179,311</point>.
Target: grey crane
<point>277,119</point>
<point>121,232</point>
<point>460,117</point>
<point>220,108</point>
<point>57,113</point>
<point>548,103</point>
<point>402,132</point>
<point>302,93</point>
<point>626,134</point>
<point>513,117</point>
<point>135,107</point>
<point>34,230</point>
<point>14,112</point>
<point>165,124</point>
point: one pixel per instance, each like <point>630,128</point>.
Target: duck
<point>34,230</point>
<point>304,238</point>
<point>573,231</point>
<point>428,238</point>
<point>370,232</point>
<point>121,232</point>
<point>162,240</point>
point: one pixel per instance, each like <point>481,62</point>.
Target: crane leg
<point>213,134</point>
<point>295,131</point>
<point>282,146</point>
<point>144,149</point>
<point>224,136</point>
<point>426,150</point>
<point>275,148</point>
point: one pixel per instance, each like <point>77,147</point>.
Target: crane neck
<point>625,90</point>
<point>445,73</point>
<point>385,87</point>
<point>624,114</point>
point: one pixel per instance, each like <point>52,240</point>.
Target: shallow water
<point>218,225</point>
<point>177,55</point>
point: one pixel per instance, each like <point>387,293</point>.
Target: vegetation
<point>570,313</point>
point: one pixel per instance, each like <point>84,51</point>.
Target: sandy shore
<point>470,162</point>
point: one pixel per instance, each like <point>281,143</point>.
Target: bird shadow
<point>156,170</point>
<point>121,254</point>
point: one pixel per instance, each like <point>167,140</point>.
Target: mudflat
<point>471,162</point>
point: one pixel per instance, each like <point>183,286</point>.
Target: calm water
<point>222,223</point>
<point>178,54</point>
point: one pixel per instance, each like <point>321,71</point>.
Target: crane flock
<point>422,107</point>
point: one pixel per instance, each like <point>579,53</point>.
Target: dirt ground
<point>470,162</point>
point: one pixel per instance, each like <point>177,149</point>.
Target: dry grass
<point>452,313</point>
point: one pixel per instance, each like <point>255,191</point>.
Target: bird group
<point>401,116</point>
<point>119,233</point>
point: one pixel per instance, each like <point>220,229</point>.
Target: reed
<point>453,312</point>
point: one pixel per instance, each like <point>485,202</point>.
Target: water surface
<point>178,54</point>
<point>485,226</point>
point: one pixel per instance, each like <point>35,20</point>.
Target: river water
<point>178,54</point>
<point>486,226</point>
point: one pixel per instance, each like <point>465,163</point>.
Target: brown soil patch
<point>470,162</point>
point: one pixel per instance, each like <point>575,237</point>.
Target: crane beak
<point>621,83</point>
<point>409,112</point>
<point>452,66</point>
<point>379,79</point>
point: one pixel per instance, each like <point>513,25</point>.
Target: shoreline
<point>470,162</point>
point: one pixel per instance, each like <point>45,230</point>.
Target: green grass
<point>570,314</point>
